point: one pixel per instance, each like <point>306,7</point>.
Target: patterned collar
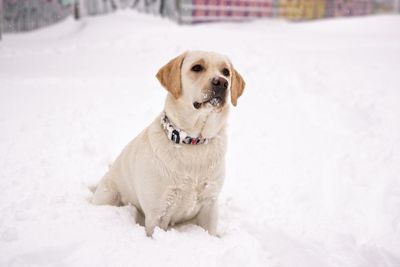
<point>178,136</point>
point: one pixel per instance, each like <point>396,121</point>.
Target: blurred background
<point>26,15</point>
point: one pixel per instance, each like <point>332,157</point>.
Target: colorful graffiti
<point>302,9</point>
<point>209,10</point>
<point>213,10</point>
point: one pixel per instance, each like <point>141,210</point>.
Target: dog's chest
<point>184,200</point>
<point>199,190</point>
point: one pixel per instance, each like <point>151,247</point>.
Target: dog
<point>173,171</point>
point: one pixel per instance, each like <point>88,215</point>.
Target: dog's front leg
<point>151,221</point>
<point>161,215</point>
<point>207,217</point>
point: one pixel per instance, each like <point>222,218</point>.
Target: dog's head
<point>202,79</point>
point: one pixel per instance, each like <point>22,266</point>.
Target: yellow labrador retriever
<point>173,171</point>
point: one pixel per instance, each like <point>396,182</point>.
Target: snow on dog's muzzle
<point>217,96</point>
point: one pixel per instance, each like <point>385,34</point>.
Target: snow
<point>314,143</point>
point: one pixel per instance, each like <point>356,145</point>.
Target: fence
<point>25,15</point>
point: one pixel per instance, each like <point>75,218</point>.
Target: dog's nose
<point>219,83</point>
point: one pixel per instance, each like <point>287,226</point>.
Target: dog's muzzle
<point>217,97</point>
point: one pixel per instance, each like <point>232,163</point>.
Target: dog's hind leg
<point>106,193</point>
<point>137,216</point>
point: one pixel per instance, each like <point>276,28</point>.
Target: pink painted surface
<point>233,8</point>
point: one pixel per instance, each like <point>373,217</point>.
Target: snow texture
<point>313,167</point>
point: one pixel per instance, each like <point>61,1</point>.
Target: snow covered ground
<point>316,183</point>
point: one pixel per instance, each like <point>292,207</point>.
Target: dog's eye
<point>197,68</point>
<point>225,72</point>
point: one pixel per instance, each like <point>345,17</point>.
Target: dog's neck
<point>204,123</point>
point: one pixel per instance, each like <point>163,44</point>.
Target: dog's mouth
<point>215,101</point>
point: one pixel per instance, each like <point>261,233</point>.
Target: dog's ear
<point>170,75</point>
<point>237,86</point>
